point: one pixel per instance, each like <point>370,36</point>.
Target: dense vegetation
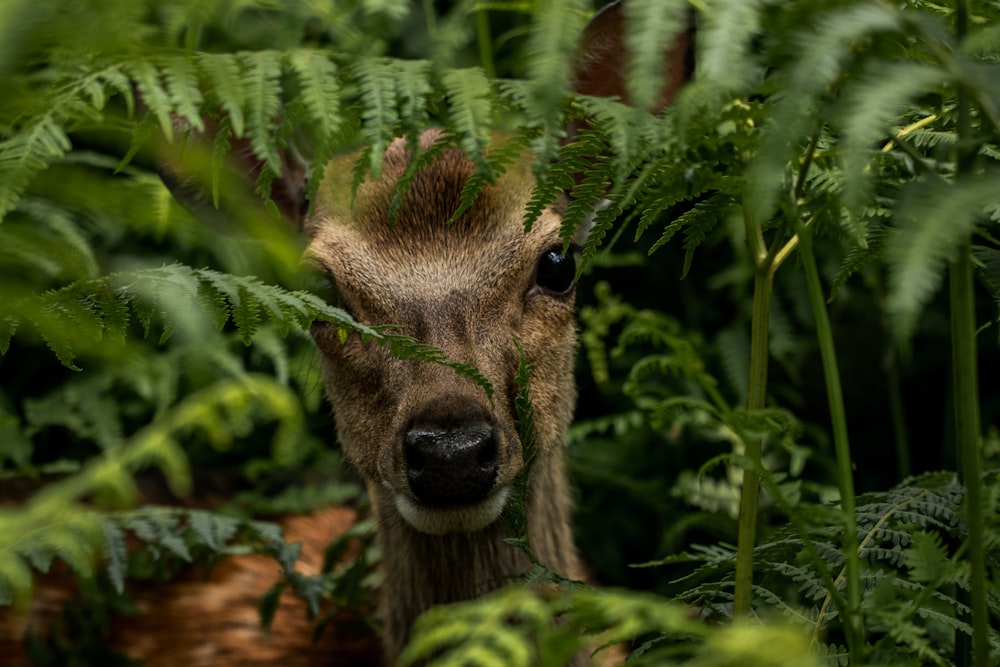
<point>762,306</point>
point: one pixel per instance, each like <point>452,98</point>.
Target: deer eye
<point>556,271</point>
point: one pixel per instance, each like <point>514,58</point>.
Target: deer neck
<point>421,570</point>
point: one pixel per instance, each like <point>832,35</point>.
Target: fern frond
<point>27,152</point>
<point>147,79</point>
<point>822,53</point>
<point>934,218</point>
<point>651,25</point>
<point>860,256</point>
<point>551,48</point>
<point>471,113</point>
<point>320,96</point>
<point>319,89</point>
<point>180,74</point>
<point>872,106</point>
<point>724,57</point>
<point>631,135</point>
<point>224,76</point>
<point>261,74</point>
<point>697,223</point>
<point>377,83</point>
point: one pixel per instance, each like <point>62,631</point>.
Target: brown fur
<point>467,288</point>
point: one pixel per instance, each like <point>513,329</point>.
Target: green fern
<point>909,575</point>
<point>917,253</point>
<point>651,27</point>
<point>551,45</point>
<point>168,291</point>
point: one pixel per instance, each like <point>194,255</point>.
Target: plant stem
<point>845,473</point>
<point>966,403</point>
<point>896,410</point>
<point>485,42</point>
<point>766,260</point>
<point>966,382</point>
<point>763,284</point>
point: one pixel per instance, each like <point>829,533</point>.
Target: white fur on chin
<point>443,520</point>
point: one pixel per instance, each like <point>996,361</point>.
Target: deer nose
<point>448,467</point>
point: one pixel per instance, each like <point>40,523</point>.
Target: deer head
<point>424,437</point>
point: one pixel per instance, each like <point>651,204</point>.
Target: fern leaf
<point>928,559</point>
<point>319,94</point>
<point>935,220</point>
<point>26,153</point>
<point>214,530</point>
<point>181,76</point>
<point>724,42</point>
<point>379,115</point>
<point>116,78</point>
<point>585,201</point>
<point>872,107</point>
<point>268,605</point>
<point>860,256</point>
<point>225,79</point>
<point>630,133</point>
<point>701,219</point>
<point>414,88</point>
<point>319,89</point>
<point>154,96</point>
<point>551,47</point>
<point>15,580</point>
<point>158,529</point>
<point>116,554</point>
<point>261,73</point>
<point>246,315</point>
<point>471,112</point>
<point>8,327</point>
<point>821,55</point>
<point>602,223</point>
<point>652,25</point>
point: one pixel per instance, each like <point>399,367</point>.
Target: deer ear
<point>186,168</point>
<point>602,63</point>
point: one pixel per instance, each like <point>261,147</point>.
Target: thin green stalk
<point>898,415</point>
<point>966,404</point>
<point>852,566</point>
<point>485,42</point>
<point>966,382</point>
<point>763,285</point>
<point>766,259</point>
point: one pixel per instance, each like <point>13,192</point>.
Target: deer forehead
<point>403,245</point>
<point>430,259</point>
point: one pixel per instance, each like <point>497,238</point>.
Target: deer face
<point>421,435</point>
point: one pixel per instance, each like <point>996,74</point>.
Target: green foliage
<point>521,626</point>
<point>913,583</point>
<point>855,136</point>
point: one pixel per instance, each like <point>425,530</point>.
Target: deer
<point>438,456</point>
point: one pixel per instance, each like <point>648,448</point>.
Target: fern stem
<point>766,261</point>
<point>966,382</point>
<point>898,415</point>
<point>756,396</point>
<point>967,431</point>
<point>485,42</point>
<point>838,417</point>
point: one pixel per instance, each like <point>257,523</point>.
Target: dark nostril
<point>448,467</point>
<point>414,461</point>
<point>487,455</point>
